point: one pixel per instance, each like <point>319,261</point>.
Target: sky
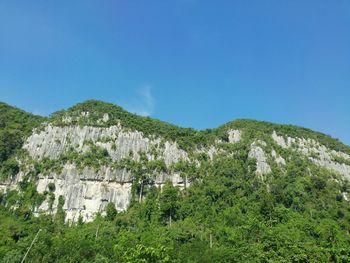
<point>194,63</point>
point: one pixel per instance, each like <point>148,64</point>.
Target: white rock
<point>262,167</point>
<point>278,159</point>
<point>234,136</point>
<point>88,191</point>
<point>312,149</point>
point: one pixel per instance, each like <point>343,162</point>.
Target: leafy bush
<point>51,187</point>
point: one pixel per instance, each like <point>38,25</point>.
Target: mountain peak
<point>95,158</point>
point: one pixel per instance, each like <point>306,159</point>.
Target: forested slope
<point>251,191</point>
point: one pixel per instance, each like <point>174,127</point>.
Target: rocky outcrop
<point>87,191</point>
<point>317,153</point>
<point>93,153</point>
<point>278,159</point>
<point>54,141</point>
<point>257,152</point>
<point>234,136</point>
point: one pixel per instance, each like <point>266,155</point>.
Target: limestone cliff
<point>87,191</point>
<point>94,154</point>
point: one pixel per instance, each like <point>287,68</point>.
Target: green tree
<point>169,201</point>
<point>111,211</point>
<point>144,254</point>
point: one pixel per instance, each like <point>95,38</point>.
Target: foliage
<point>111,212</point>
<point>51,187</point>
<point>168,201</point>
<point>261,129</point>
<point>15,126</point>
<point>228,214</point>
<point>144,254</point>
<point>186,138</point>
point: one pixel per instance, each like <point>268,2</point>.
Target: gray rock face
<point>54,141</point>
<point>256,151</point>
<point>278,159</point>
<point>88,191</point>
<point>317,153</point>
<point>172,154</point>
<point>234,136</point>
<point>3,187</point>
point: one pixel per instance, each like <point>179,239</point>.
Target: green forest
<point>226,214</point>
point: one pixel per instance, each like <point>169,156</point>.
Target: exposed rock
<point>88,185</point>
<point>212,152</point>
<point>234,136</point>
<point>54,141</point>
<point>88,191</point>
<point>317,153</point>
<point>3,187</point>
<point>262,167</point>
<point>105,117</point>
<point>172,154</point>
<point>279,140</point>
<point>278,159</point>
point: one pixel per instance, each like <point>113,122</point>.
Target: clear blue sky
<point>190,62</point>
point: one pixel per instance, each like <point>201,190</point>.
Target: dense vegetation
<point>228,214</point>
<point>187,138</point>
<point>261,128</point>
<point>15,126</point>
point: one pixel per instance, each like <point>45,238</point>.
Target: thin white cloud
<point>38,112</point>
<point>42,112</point>
<point>145,102</point>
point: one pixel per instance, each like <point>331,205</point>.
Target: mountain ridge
<point>104,107</point>
<point>99,177</point>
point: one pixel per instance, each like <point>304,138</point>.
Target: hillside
<point>106,185</point>
<point>15,126</point>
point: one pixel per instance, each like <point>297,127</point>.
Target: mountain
<point>247,191</point>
